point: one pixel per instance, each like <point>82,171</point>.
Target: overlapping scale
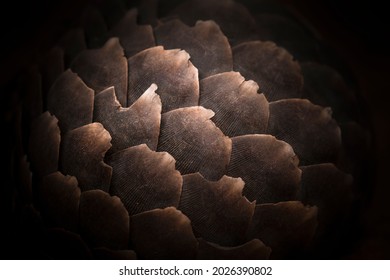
<point>171,70</point>
<point>251,250</point>
<point>287,227</point>
<point>44,144</point>
<point>308,128</point>
<point>144,179</point>
<point>238,108</point>
<point>104,67</point>
<point>82,153</point>
<point>71,101</point>
<point>233,18</point>
<point>128,109</point>
<point>134,38</point>
<point>195,142</point>
<point>269,168</point>
<point>271,67</point>
<point>207,46</point>
<point>59,198</point>
<point>137,124</point>
<point>217,210</point>
<point>163,234</point>
<point>104,221</point>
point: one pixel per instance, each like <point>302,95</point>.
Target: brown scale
<point>144,179</point>
<point>234,19</point>
<point>104,220</point>
<point>217,210</point>
<point>287,227</point>
<point>207,46</point>
<point>207,152</point>
<point>59,198</point>
<point>133,37</point>
<point>44,144</point>
<point>163,234</point>
<point>137,124</point>
<point>71,101</point>
<point>271,67</point>
<point>310,129</point>
<point>238,108</point>
<point>171,71</point>
<point>104,67</point>
<point>82,153</point>
<point>269,168</point>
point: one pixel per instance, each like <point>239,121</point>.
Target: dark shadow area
<point>357,32</point>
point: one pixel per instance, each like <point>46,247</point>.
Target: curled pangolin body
<point>191,137</point>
